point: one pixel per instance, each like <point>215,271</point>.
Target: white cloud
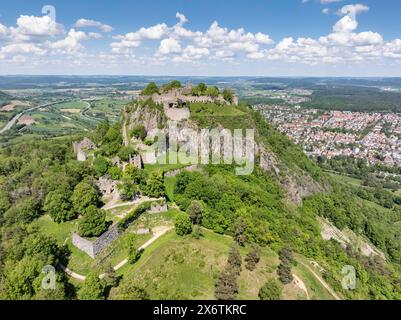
<point>19,59</point>
<point>95,35</point>
<point>215,40</point>
<point>169,45</point>
<point>126,43</point>
<point>181,17</point>
<point>353,9</point>
<point>71,43</point>
<point>326,11</point>
<point>19,48</point>
<point>153,33</point>
<point>85,23</point>
<point>191,54</point>
<point>344,44</point>
<point>345,25</point>
<point>224,54</point>
<point>38,26</point>
<point>3,31</point>
<point>329,1</point>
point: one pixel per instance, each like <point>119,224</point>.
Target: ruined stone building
<point>81,148</point>
<point>180,98</point>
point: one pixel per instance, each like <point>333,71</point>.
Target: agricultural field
<point>107,108</point>
<point>56,118</point>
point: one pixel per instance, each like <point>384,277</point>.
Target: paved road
<point>85,110</point>
<point>11,123</point>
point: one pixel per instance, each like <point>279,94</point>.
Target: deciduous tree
<point>93,223</point>
<point>85,194</point>
<point>58,205</point>
<point>93,288</point>
<point>183,224</point>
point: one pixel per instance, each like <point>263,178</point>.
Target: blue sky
<point>188,37</point>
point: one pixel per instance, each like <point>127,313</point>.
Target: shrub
<point>58,205</point>
<point>155,185</point>
<point>235,260</point>
<point>134,254</point>
<point>126,152</point>
<point>252,258</point>
<point>85,195</point>
<point>129,290</point>
<point>195,211</point>
<point>93,288</point>
<point>101,165</point>
<point>150,89</point>
<point>127,189</point>
<point>228,95</point>
<point>183,225</point>
<point>271,290</point>
<point>285,273</point>
<point>93,223</point>
<point>139,132</point>
<point>226,287</point>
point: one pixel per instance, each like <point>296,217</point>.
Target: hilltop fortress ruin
<point>176,99</point>
<point>183,96</point>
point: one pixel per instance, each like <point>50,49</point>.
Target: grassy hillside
<point>193,266</point>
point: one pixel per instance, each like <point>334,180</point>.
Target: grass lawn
<point>176,156</point>
<point>345,179</point>
<point>211,109</point>
<point>81,263</point>
<point>169,184</point>
<point>151,220</point>
<point>315,290</point>
<point>60,231</point>
<point>175,267</point>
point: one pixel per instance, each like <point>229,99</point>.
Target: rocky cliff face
<point>150,117</point>
<point>296,183</point>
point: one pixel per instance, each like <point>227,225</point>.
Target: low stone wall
<point>142,231</point>
<point>83,245</point>
<point>94,248</point>
<point>105,239</point>
<point>176,172</point>
<point>158,207</point>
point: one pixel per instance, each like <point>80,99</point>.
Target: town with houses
<point>375,137</point>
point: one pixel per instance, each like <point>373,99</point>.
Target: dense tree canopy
<point>93,288</point>
<point>93,223</point>
<point>183,225</point>
<point>150,89</point>
<point>85,194</point>
<point>271,290</point>
<point>58,205</point>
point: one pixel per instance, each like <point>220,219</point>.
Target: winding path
<point>301,285</point>
<point>321,281</point>
<point>157,233</point>
<point>113,205</point>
